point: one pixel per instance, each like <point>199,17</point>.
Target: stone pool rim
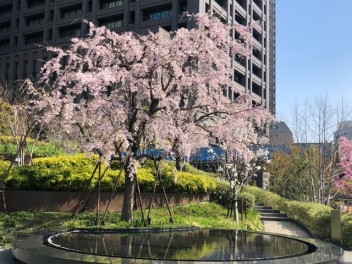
<point>308,247</point>
<point>32,250</point>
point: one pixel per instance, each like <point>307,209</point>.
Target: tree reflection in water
<point>199,244</point>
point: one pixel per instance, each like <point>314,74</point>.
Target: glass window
<point>34,3</point>
<point>70,31</point>
<point>116,23</point>
<point>110,3</point>
<point>157,14</point>
<point>36,20</point>
<point>71,12</point>
<point>6,27</point>
<point>33,38</point>
<point>4,44</point>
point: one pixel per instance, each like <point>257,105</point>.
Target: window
<point>132,17</point>
<point>50,34</point>
<point>35,20</point>
<point>33,38</point>
<point>34,3</point>
<point>5,10</point>
<point>112,23</point>
<point>110,3</point>
<point>70,31</point>
<point>157,14</point>
<point>183,6</point>
<point>4,44</point>
<point>71,12</point>
<point>5,27</point>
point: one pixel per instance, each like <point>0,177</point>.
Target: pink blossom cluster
<point>112,92</point>
<point>344,183</point>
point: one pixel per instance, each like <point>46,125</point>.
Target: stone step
<point>277,214</point>
<point>268,210</point>
<point>268,214</point>
<point>275,218</point>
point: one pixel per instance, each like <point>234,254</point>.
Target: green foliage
<point>205,215</point>
<point>9,146</point>
<point>195,183</point>
<point>5,112</point>
<point>248,197</point>
<point>72,173</point>
<point>62,173</point>
<point>347,231</point>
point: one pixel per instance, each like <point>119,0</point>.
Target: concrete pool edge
<point>32,250</point>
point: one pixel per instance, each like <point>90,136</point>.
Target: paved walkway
<point>292,229</point>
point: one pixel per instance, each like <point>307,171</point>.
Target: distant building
<point>280,134</point>
<point>344,130</point>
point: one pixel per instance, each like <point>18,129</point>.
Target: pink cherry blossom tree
<point>344,184</point>
<point>114,92</point>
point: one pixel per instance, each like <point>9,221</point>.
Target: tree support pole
<point>81,197</point>
<point>111,196</point>
<point>149,220</point>
<point>166,200</point>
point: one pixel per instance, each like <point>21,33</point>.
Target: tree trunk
<point>179,163</point>
<point>130,185</point>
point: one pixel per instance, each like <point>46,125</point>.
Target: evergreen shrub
<point>72,173</point>
<point>248,197</point>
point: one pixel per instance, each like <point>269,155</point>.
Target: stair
<point>269,214</point>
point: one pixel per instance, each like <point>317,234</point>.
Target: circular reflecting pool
<point>180,244</point>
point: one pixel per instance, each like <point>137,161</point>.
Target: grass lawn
<point>204,215</point>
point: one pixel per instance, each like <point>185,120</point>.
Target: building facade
<point>27,26</point>
<point>344,130</point>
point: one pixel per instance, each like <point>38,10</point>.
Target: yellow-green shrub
<point>72,173</point>
<point>195,183</point>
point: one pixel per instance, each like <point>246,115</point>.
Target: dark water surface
<point>200,244</point>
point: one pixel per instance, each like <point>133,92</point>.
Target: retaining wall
<point>67,201</point>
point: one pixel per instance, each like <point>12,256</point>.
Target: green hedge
<point>248,197</point>
<point>314,216</point>
<point>347,231</point>
<point>72,173</point>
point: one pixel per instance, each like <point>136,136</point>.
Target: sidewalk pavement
<point>292,229</point>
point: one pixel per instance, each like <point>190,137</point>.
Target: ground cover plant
<point>203,215</point>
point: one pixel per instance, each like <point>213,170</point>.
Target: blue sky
<point>313,52</point>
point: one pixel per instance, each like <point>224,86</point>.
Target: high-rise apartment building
<point>28,25</point>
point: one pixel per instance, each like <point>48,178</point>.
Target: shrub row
<point>315,217</point>
<point>72,173</point>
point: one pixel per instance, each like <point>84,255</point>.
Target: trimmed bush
<point>347,231</point>
<point>72,173</point>
<point>248,197</point>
